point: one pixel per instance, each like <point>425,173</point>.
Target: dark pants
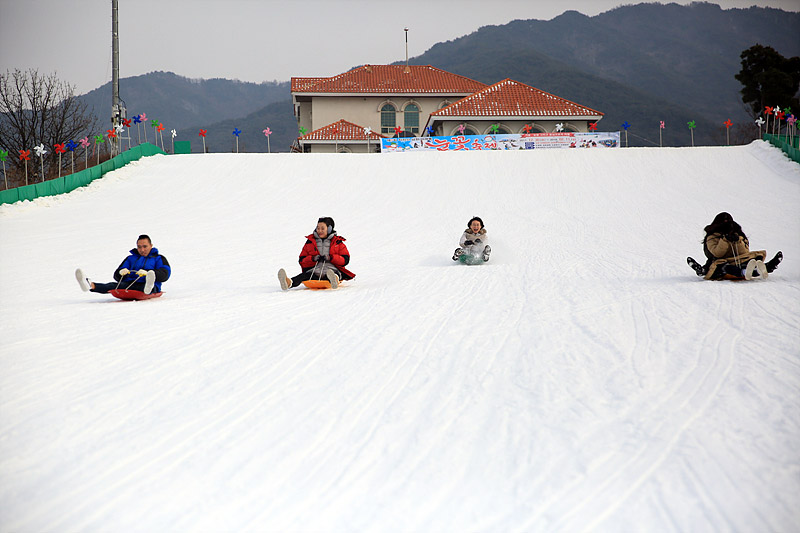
<point>104,288</point>
<point>305,276</point>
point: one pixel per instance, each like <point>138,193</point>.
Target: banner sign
<point>524,141</point>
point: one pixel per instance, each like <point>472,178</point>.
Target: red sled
<point>127,294</point>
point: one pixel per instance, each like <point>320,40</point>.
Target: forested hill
<point>639,64</point>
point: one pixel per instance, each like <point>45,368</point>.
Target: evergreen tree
<point>769,79</point>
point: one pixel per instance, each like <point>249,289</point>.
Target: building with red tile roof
<point>420,100</point>
<point>512,107</point>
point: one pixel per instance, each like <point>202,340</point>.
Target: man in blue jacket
<point>143,270</point>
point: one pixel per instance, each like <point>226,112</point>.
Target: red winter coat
<point>339,255</point>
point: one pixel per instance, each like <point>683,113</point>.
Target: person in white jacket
<point>474,243</point>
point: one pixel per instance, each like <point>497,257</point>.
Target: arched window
<point>467,131</point>
<point>388,119</point>
<point>411,119</point>
<point>501,130</point>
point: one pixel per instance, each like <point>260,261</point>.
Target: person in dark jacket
<point>143,270</point>
<point>727,252</point>
<point>324,256</point>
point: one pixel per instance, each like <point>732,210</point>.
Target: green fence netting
<point>79,179</point>
<point>789,146</point>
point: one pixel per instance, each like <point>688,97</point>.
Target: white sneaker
<point>149,281</point>
<point>761,268</point>
<point>284,280</point>
<point>333,278</point>
<point>83,281</point>
<point>748,271</point>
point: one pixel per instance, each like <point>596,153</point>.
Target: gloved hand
<point>468,243</point>
<point>326,257</point>
<point>732,237</point>
<point>316,258</point>
<point>124,272</point>
<point>477,241</point>
<point>141,272</point>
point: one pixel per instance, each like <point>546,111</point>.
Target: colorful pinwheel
<point>98,139</point>
<point>60,148</point>
<point>692,126</point>
<point>398,130</point>
<point>174,134</point>
<point>138,120</point>
<point>71,145</point>
<point>728,125</point>
<point>493,129</point>
<point>40,151</point>
<point>267,132</point>
<point>429,131</point>
<point>85,144</point>
<point>661,127</point>
<point>527,128</point>
<point>593,126</point>
<point>302,131</point>
<point>560,126</point>
<point>461,129</point>
<point>25,155</point>
<point>203,136</point>
<point>3,157</point>
<point>236,132</point>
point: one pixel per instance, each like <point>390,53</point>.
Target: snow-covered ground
<point>584,380</point>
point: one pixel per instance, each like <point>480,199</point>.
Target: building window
<point>411,119</point>
<point>501,130</point>
<point>467,131</point>
<point>388,119</point>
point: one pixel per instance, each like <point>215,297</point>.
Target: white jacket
<point>479,241</point>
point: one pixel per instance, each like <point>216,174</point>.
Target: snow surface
<point>584,380</point>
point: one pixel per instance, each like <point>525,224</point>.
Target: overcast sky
<point>254,40</point>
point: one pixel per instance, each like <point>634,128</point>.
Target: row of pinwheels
<point>59,148</point>
<point>236,132</point>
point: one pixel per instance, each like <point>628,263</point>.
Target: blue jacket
<point>154,261</point>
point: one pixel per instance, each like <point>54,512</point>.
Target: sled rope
<point>132,282</point>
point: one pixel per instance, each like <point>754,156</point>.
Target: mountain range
<point>639,64</point>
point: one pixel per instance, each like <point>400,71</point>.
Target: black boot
<point>773,263</point>
<point>697,267</point>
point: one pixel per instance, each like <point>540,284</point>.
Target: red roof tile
<point>342,131</point>
<point>390,79</point>
<point>509,98</point>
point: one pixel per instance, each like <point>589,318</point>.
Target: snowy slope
<point>583,380</point>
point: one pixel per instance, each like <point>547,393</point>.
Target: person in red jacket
<point>324,256</point>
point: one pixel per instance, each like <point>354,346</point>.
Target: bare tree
<point>37,109</point>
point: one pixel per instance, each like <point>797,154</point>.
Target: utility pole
<point>406,30</point>
<point>117,111</point>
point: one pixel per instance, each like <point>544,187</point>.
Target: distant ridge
<point>639,64</point>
